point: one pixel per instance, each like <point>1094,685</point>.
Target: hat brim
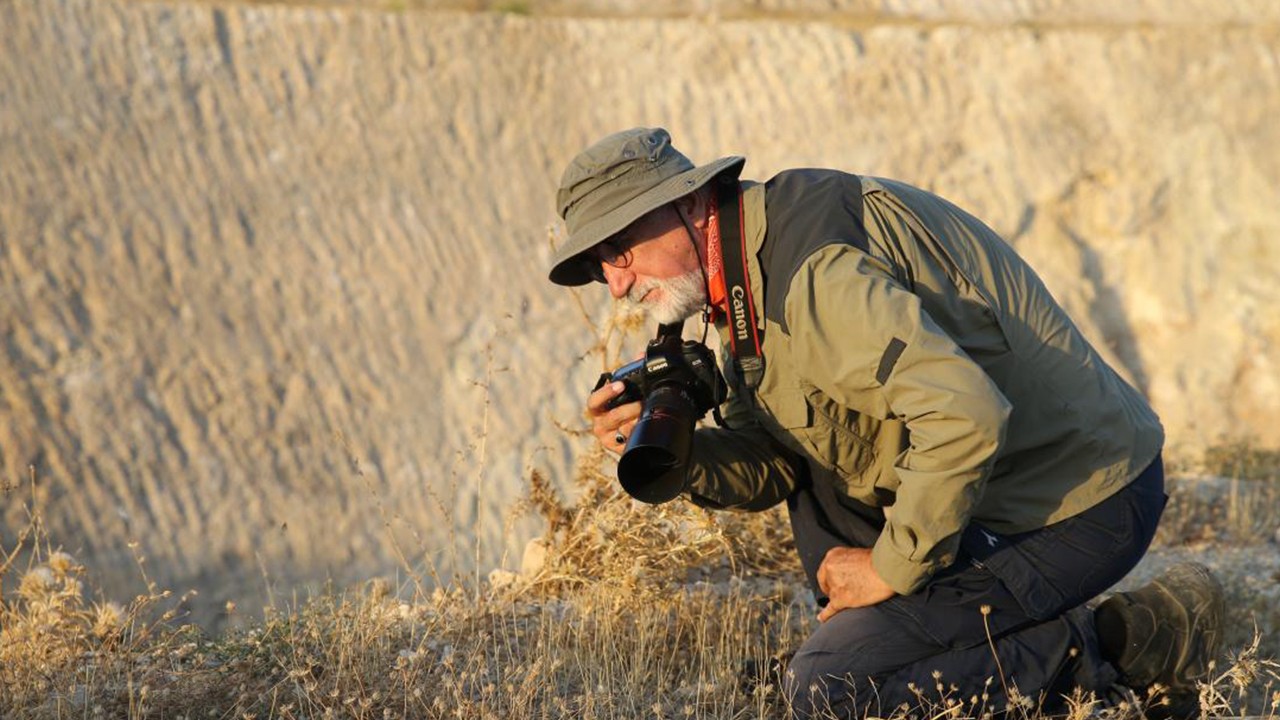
<point>569,267</point>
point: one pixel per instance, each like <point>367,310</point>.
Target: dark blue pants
<point>1037,637</point>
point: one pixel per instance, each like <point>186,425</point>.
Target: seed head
<point>37,583</point>
<point>62,564</point>
<point>108,618</point>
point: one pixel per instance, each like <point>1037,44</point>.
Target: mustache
<point>632,300</point>
<point>638,291</point>
<point>678,297</point>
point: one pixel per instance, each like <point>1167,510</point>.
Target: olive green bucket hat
<point>611,184</point>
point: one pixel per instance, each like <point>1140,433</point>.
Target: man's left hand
<point>849,581</point>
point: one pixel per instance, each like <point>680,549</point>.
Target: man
<point>962,471</point>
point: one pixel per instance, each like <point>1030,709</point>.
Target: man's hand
<point>849,581</point>
<point>612,427</point>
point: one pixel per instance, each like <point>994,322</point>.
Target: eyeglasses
<point>615,252</point>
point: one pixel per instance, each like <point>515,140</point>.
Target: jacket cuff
<point>902,574</point>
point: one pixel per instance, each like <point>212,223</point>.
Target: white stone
<point>535,557</point>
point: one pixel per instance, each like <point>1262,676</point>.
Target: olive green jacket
<point>914,360</point>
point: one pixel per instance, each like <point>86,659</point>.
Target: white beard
<point>676,299</point>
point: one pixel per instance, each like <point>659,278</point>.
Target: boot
<point>1165,632</point>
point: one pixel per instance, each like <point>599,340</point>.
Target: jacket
<point>916,362</point>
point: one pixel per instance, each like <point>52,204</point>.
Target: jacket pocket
<point>787,408</point>
<point>837,440</point>
<point>786,416</point>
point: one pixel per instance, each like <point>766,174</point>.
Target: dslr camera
<point>678,382</point>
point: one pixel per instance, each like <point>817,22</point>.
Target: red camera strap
<point>744,332</point>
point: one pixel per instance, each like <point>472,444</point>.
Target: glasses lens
<point>612,252</point>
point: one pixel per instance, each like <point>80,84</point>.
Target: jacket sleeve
<point>866,342</point>
<point>742,468</point>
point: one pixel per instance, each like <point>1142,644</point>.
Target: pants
<point>1038,639</point>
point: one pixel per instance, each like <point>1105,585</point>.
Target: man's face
<point>654,266</point>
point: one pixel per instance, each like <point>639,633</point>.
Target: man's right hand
<point>612,427</point>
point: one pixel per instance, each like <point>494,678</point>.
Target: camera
<point>678,382</point>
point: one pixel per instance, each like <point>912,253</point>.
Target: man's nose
<point>619,280</point>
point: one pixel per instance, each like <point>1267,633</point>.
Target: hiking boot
<point>1165,632</point>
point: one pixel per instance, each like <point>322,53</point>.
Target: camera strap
<point>744,335</point>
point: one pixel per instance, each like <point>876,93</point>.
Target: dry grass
<point>629,611</point>
<point>1231,497</point>
<point>583,638</point>
<point>605,538</point>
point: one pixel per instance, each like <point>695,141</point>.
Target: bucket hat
<point>611,184</point>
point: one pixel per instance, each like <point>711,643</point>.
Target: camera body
<point>685,364</point>
<point>678,382</point>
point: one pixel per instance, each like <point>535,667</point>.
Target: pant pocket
<point>1056,568</point>
<point>1005,558</point>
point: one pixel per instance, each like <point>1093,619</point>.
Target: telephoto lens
<point>654,466</point>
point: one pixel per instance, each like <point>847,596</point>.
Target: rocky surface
<point>272,277</point>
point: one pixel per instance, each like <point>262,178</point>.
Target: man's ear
<point>694,206</point>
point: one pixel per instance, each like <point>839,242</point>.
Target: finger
<point>615,417</point>
<point>622,418</point>
<point>623,433</point>
<point>596,400</point>
<point>608,435</point>
<point>827,568</point>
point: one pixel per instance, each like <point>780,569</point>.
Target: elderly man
<point>962,471</point>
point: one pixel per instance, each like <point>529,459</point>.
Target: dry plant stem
<point>483,455</point>
<point>141,561</point>
<point>358,469</point>
<point>986,626</point>
<point>33,524</point>
<point>266,579</point>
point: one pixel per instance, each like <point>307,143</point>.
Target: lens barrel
<point>654,466</point>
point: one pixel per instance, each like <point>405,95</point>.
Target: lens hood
<point>654,466</point>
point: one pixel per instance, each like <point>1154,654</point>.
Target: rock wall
<point>272,278</point>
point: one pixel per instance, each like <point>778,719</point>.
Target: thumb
<point>828,611</point>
